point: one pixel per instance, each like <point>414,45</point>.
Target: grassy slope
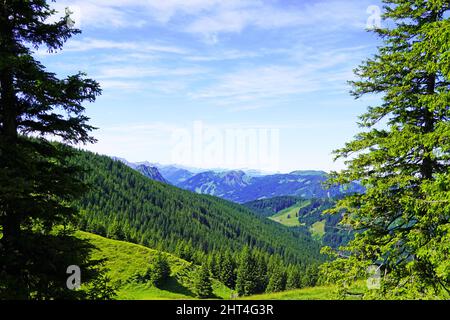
<point>126,259</point>
<point>150,212</point>
<point>288,216</point>
<point>318,229</point>
<point>316,293</point>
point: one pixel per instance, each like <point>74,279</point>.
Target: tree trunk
<point>8,124</point>
<point>427,168</point>
<point>8,106</point>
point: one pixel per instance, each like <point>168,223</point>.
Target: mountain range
<point>126,205</point>
<point>244,186</point>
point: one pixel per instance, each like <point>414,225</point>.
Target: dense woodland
<point>243,250</point>
<point>401,223</point>
<point>336,234</point>
<point>310,212</point>
<point>268,207</point>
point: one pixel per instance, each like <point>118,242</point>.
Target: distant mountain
<point>219,184</point>
<point>308,173</point>
<point>124,205</point>
<point>125,161</point>
<point>175,175</point>
<point>239,187</point>
<point>243,186</point>
<point>146,168</point>
<point>151,172</point>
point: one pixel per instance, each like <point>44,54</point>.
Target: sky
<point>258,84</point>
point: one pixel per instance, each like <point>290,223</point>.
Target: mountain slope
<point>174,174</point>
<point>151,173</point>
<point>239,187</point>
<point>219,184</point>
<point>124,204</point>
<point>308,213</point>
<point>269,207</point>
<point>124,260</point>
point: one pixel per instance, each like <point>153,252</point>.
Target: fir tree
<point>294,278</point>
<point>158,271</point>
<point>202,283</point>
<point>277,280</point>
<point>37,185</point>
<point>247,277</point>
<point>402,158</point>
<point>227,271</point>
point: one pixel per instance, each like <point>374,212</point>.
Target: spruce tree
<point>277,280</point>
<point>202,283</point>
<point>158,271</point>
<point>261,272</point>
<point>247,274</point>
<point>401,157</point>
<point>37,185</point>
<point>227,271</point>
<point>294,278</point>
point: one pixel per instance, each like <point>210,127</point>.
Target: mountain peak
<point>151,172</point>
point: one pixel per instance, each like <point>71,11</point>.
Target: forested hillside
<point>268,207</point>
<point>306,214</point>
<point>123,204</point>
<point>126,261</point>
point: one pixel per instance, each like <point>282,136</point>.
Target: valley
<point>274,196</point>
<point>246,252</point>
<point>124,260</point>
<point>214,108</point>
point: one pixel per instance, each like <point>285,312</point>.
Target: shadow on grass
<point>174,286</point>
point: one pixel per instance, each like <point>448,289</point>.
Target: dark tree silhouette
<point>37,185</point>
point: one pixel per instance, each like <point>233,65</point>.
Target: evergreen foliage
<point>202,283</point>
<point>402,158</point>
<point>37,184</point>
<point>158,272</point>
<point>124,205</point>
<point>247,274</point>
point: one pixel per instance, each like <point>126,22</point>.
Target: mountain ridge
<point>243,186</point>
<point>125,205</point>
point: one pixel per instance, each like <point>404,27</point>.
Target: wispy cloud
<point>148,71</point>
<point>87,44</point>
<point>101,14</point>
<point>248,87</point>
<point>210,17</point>
<point>146,79</point>
<point>224,55</point>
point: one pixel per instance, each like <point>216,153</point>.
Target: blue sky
<point>275,69</point>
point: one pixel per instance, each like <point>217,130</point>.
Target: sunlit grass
<point>125,259</point>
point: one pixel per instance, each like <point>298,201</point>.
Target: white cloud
<point>135,72</point>
<point>99,44</point>
<point>100,14</point>
<point>210,17</point>
<point>249,86</point>
<point>224,55</point>
<point>136,13</point>
<point>136,141</point>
